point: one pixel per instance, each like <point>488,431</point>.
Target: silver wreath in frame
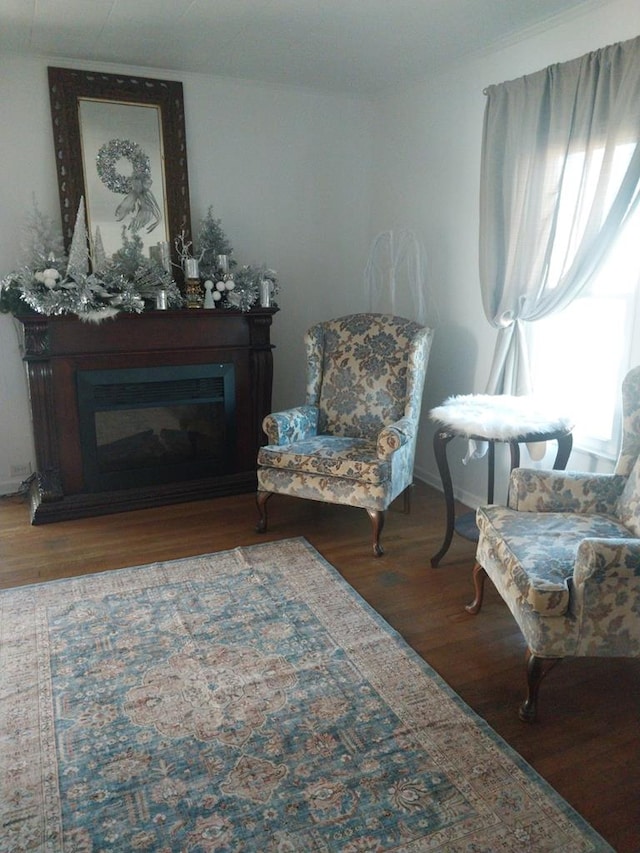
<point>139,201</point>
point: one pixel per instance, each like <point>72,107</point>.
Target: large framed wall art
<point>120,144</point>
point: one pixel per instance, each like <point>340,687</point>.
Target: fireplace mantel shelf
<point>56,349</point>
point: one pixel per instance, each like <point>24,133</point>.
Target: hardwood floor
<point>586,742</point>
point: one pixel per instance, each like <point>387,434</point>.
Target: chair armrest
<point>535,490</point>
<point>606,597</point>
<point>291,425</point>
<point>394,436</point>
<point>598,558</point>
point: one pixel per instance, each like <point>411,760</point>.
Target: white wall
<point>287,171</point>
<point>426,177</point>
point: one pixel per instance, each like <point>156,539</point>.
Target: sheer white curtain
<point>560,177</point>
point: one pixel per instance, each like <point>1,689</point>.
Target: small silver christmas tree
<point>99,254</point>
<point>212,241</point>
<point>78,265</point>
<point>43,245</point>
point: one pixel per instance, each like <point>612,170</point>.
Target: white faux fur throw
<point>499,416</point>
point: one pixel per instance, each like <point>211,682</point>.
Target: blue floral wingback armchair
<point>353,441</point>
<point>565,557</point>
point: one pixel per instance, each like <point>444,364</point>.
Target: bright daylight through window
<point>579,355</point>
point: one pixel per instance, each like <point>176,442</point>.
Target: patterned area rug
<point>248,700</point>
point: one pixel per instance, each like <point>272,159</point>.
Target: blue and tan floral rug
<point>248,700</point>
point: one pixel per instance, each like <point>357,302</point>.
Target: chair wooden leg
<point>406,499</point>
<point>537,668</point>
<point>479,576</point>
<point>261,503</point>
<point>377,520</point>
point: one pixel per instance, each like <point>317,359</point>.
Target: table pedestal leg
<point>565,444</point>
<point>440,441</point>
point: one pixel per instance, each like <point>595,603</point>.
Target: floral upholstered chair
<point>353,441</point>
<point>565,557</point>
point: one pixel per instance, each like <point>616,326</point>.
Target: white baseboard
<point>16,485</point>
<point>10,487</point>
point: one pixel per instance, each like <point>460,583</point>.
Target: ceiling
<point>361,46</point>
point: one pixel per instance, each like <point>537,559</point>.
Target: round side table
<point>492,418</point>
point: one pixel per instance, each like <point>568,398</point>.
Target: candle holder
<point>164,254</point>
<point>192,287</point>
<point>222,264</point>
<point>193,293</point>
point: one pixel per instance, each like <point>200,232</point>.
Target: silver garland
<point>246,292</point>
<point>92,296</point>
<point>85,295</point>
<point>51,284</point>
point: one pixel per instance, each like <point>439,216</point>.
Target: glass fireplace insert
<point>152,425</point>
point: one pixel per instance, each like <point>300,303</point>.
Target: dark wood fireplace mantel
<point>57,348</point>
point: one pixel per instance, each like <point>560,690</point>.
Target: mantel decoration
<point>215,276</point>
<point>120,151</point>
<point>94,287</point>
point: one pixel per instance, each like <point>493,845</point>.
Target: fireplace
<point>146,426</point>
<point>144,410</point>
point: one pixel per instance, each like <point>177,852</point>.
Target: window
<point>580,354</point>
<point>559,183</point>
